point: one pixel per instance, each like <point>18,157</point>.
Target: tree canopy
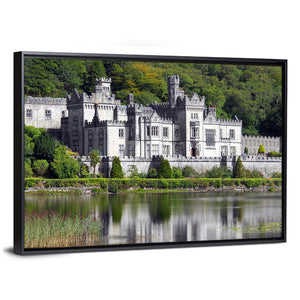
<point>253,93</point>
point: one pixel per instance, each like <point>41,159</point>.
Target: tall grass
<point>50,230</point>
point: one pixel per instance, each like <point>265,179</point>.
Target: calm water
<point>178,217</point>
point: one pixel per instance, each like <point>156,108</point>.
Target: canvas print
<point>132,152</point>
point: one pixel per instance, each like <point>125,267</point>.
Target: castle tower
<point>103,86</point>
<point>173,89</point>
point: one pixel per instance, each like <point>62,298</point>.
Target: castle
<point>183,128</point>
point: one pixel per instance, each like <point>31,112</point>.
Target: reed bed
<point>51,230</point>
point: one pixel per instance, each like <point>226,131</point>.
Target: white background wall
<point>263,29</point>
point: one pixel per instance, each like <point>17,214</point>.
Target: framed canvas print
<point>120,152</point>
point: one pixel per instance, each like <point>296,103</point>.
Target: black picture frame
<point>19,190</point>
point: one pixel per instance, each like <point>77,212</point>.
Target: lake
<point>133,218</point>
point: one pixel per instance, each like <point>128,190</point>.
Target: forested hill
<point>253,93</point>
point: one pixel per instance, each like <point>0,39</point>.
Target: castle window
<point>194,132</point>
<point>121,150</point>
<point>221,134</point>
<point>148,130</point>
<point>224,150</point>
<point>154,130</point>
<point>176,132</point>
<point>29,113</point>
<point>232,134</point>
<point>48,114</point>
<point>210,137</point>
<point>165,132</point>
<point>121,133</point>
<point>166,150</point>
<point>155,149</point>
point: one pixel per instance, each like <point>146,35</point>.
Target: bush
<point>176,172</point>
<point>274,154</point>
<point>27,170</point>
<point>188,171</point>
<point>40,167</point>
<point>116,170</point>
<point>253,174</point>
<point>261,149</point>
<point>164,170</point>
<point>63,165</point>
<point>152,173</point>
<point>277,175</point>
<point>218,172</point>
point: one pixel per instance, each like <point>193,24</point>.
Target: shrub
<point>277,175</point>
<point>218,172</point>
<point>63,165</point>
<point>152,173</point>
<point>188,171</point>
<point>84,171</point>
<point>164,170</point>
<point>274,154</point>
<point>261,149</point>
<point>112,189</point>
<point>254,174</point>
<point>116,170</point>
<point>246,150</point>
<point>40,167</point>
<point>27,170</point>
<point>176,172</point>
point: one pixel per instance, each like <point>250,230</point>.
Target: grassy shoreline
<point>137,185</point>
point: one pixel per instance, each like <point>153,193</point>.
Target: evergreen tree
<point>246,150</point>
<point>239,170</point>
<point>44,147</point>
<point>164,170</point>
<point>116,169</point>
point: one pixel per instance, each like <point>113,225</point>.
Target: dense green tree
<point>63,165</point>
<point>246,150</point>
<point>253,93</point>
<point>116,169</point>
<point>164,170</point>
<point>40,167</point>
<point>239,170</point>
<point>44,147</point>
<point>94,69</point>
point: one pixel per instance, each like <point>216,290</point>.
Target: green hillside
<point>253,93</point>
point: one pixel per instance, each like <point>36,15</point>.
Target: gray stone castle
<point>181,129</point>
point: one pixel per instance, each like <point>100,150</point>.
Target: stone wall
<point>266,165</point>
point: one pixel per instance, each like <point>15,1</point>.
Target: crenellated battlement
<point>45,100</point>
